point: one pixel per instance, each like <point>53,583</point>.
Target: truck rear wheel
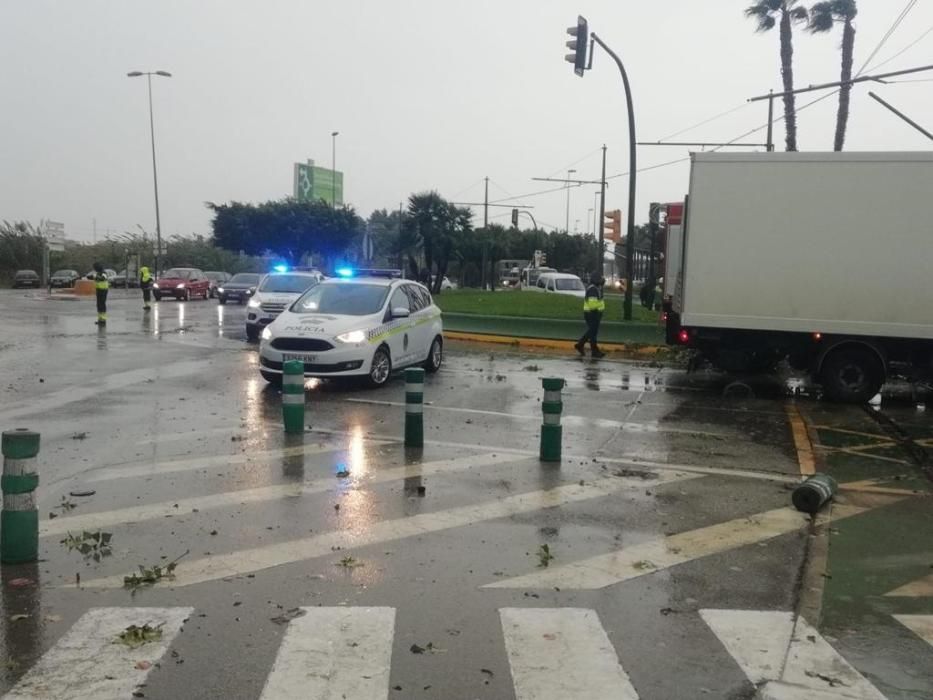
<point>852,375</point>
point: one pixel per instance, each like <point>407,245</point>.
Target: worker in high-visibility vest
<point>593,307</point>
<point>101,287</point>
<point>145,283</point>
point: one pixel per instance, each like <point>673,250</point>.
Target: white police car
<point>275,292</point>
<point>365,326</point>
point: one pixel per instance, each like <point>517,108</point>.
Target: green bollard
<point>814,493</point>
<point>293,396</point>
<point>19,521</point>
<point>551,430</point>
<point>414,407</point>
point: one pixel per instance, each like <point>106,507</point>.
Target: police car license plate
<point>307,359</point>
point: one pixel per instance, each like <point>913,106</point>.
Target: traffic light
<point>577,44</point>
<point>515,218</point>
<point>612,226</point>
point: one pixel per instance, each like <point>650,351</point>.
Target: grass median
<point>533,305</point>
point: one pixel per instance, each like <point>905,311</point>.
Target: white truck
<point>821,259</point>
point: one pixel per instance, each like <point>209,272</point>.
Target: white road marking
<point>184,465</point>
<point>184,506</point>
<point>662,553</point>
<point>562,653</point>
<point>89,663</point>
<point>567,419</point>
<point>787,655</point>
<point>334,653</point>
<point>920,625</point>
<point>214,567</point>
<point>921,588</point>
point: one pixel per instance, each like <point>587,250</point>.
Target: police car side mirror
<point>400,312</point>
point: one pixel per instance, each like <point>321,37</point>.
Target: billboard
<point>313,183</point>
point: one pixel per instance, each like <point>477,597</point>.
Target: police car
<point>355,326</point>
<point>275,293</point>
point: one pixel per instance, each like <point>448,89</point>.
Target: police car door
<point>418,298</point>
<point>399,340</point>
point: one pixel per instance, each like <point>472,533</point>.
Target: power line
<point>902,52</point>
<point>532,194</point>
<point>897,23</point>
<point>651,167</point>
<point>705,122</point>
<point>576,162</point>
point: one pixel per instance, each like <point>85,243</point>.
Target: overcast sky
<point>426,94</point>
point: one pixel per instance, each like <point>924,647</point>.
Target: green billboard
<point>313,183</point>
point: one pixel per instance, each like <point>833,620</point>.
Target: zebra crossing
<point>551,654</point>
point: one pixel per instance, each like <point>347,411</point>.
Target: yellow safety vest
<point>594,303</point>
<point>144,275</point>
<point>101,282</point>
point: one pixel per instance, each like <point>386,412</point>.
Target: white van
<point>560,283</point>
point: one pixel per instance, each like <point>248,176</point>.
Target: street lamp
<point>333,168</point>
<point>569,173</point>
<point>155,178</point>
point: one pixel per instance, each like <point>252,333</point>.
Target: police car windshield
<point>343,300</point>
<point>569,285</point>
<point>286,284</point>
<point>177,273</point>
<point>245,278</point>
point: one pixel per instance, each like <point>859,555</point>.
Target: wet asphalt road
<point>671,500</point>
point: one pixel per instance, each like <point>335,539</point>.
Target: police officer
<point>593,307</point>
<point>101,287</point>
<point>145,283</point>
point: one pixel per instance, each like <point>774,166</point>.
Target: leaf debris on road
<point>544,556</point>
<point>135,636</point>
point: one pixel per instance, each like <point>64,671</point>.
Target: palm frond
<point>799,14</point>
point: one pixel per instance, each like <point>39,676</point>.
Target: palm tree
<point>783,13</point>
<point>823,17</point>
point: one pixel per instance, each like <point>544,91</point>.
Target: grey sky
<point>425,93</point>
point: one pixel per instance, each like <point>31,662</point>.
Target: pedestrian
<point>145,283</point>
<point>101,287</point>
<point>593,307</point>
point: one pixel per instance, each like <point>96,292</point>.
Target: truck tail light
<point>684,336</point>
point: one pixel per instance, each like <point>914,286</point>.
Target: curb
<point>567,345</point>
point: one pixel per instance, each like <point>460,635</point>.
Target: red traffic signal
<point>577,44</point>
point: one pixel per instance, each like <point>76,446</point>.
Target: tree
<point>394,242</point>
<point>287,228</point>
<point>823,17</point>
<point>783,13</point>
<point>441,227</point>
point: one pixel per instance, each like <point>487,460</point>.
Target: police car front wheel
<point>435,356</point>
<point>381,367</point>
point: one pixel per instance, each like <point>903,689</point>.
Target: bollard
<point>19,521</point>
<point>551,431</point>
<point>414,407</point>
<point>814,493</point>
<point>293,396</point>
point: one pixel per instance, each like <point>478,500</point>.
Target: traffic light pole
<point>630,233</point>
<point>601,250</point>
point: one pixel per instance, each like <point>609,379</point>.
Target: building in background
<point>313,183</point>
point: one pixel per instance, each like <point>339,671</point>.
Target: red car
<point>183,283</point>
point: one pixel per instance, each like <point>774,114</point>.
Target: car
<point>26,278</point>
<point>217,279</point>
<point>182,283</point>
<point>122,280</point>
<point>276,291</point>
<point>528,278</point>
<point>445,283</point>
<point>238,288</point>
<point>560,283</point>
<point>357,327</point>
<point>64,278</point>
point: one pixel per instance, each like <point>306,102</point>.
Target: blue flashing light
<point>281,268</point>
<point>344,272</point>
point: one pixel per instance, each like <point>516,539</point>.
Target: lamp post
<point>569,173</point>
<point>333,168</point>
<point>155,177</point>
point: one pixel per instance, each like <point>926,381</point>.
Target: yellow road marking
<point>801,440</point>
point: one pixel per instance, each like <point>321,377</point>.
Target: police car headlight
<point>352,337</point>
<point>155,285</point>
<point>180,285</point>
<point>266,333</point>
<point>254,303</point>
<point>220,289</point>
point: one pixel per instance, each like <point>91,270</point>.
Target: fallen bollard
<point>551,430</point>
<point>814,493</point>
<point>19,521</point>
<point>414,407</point>
<point>293,396</point>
